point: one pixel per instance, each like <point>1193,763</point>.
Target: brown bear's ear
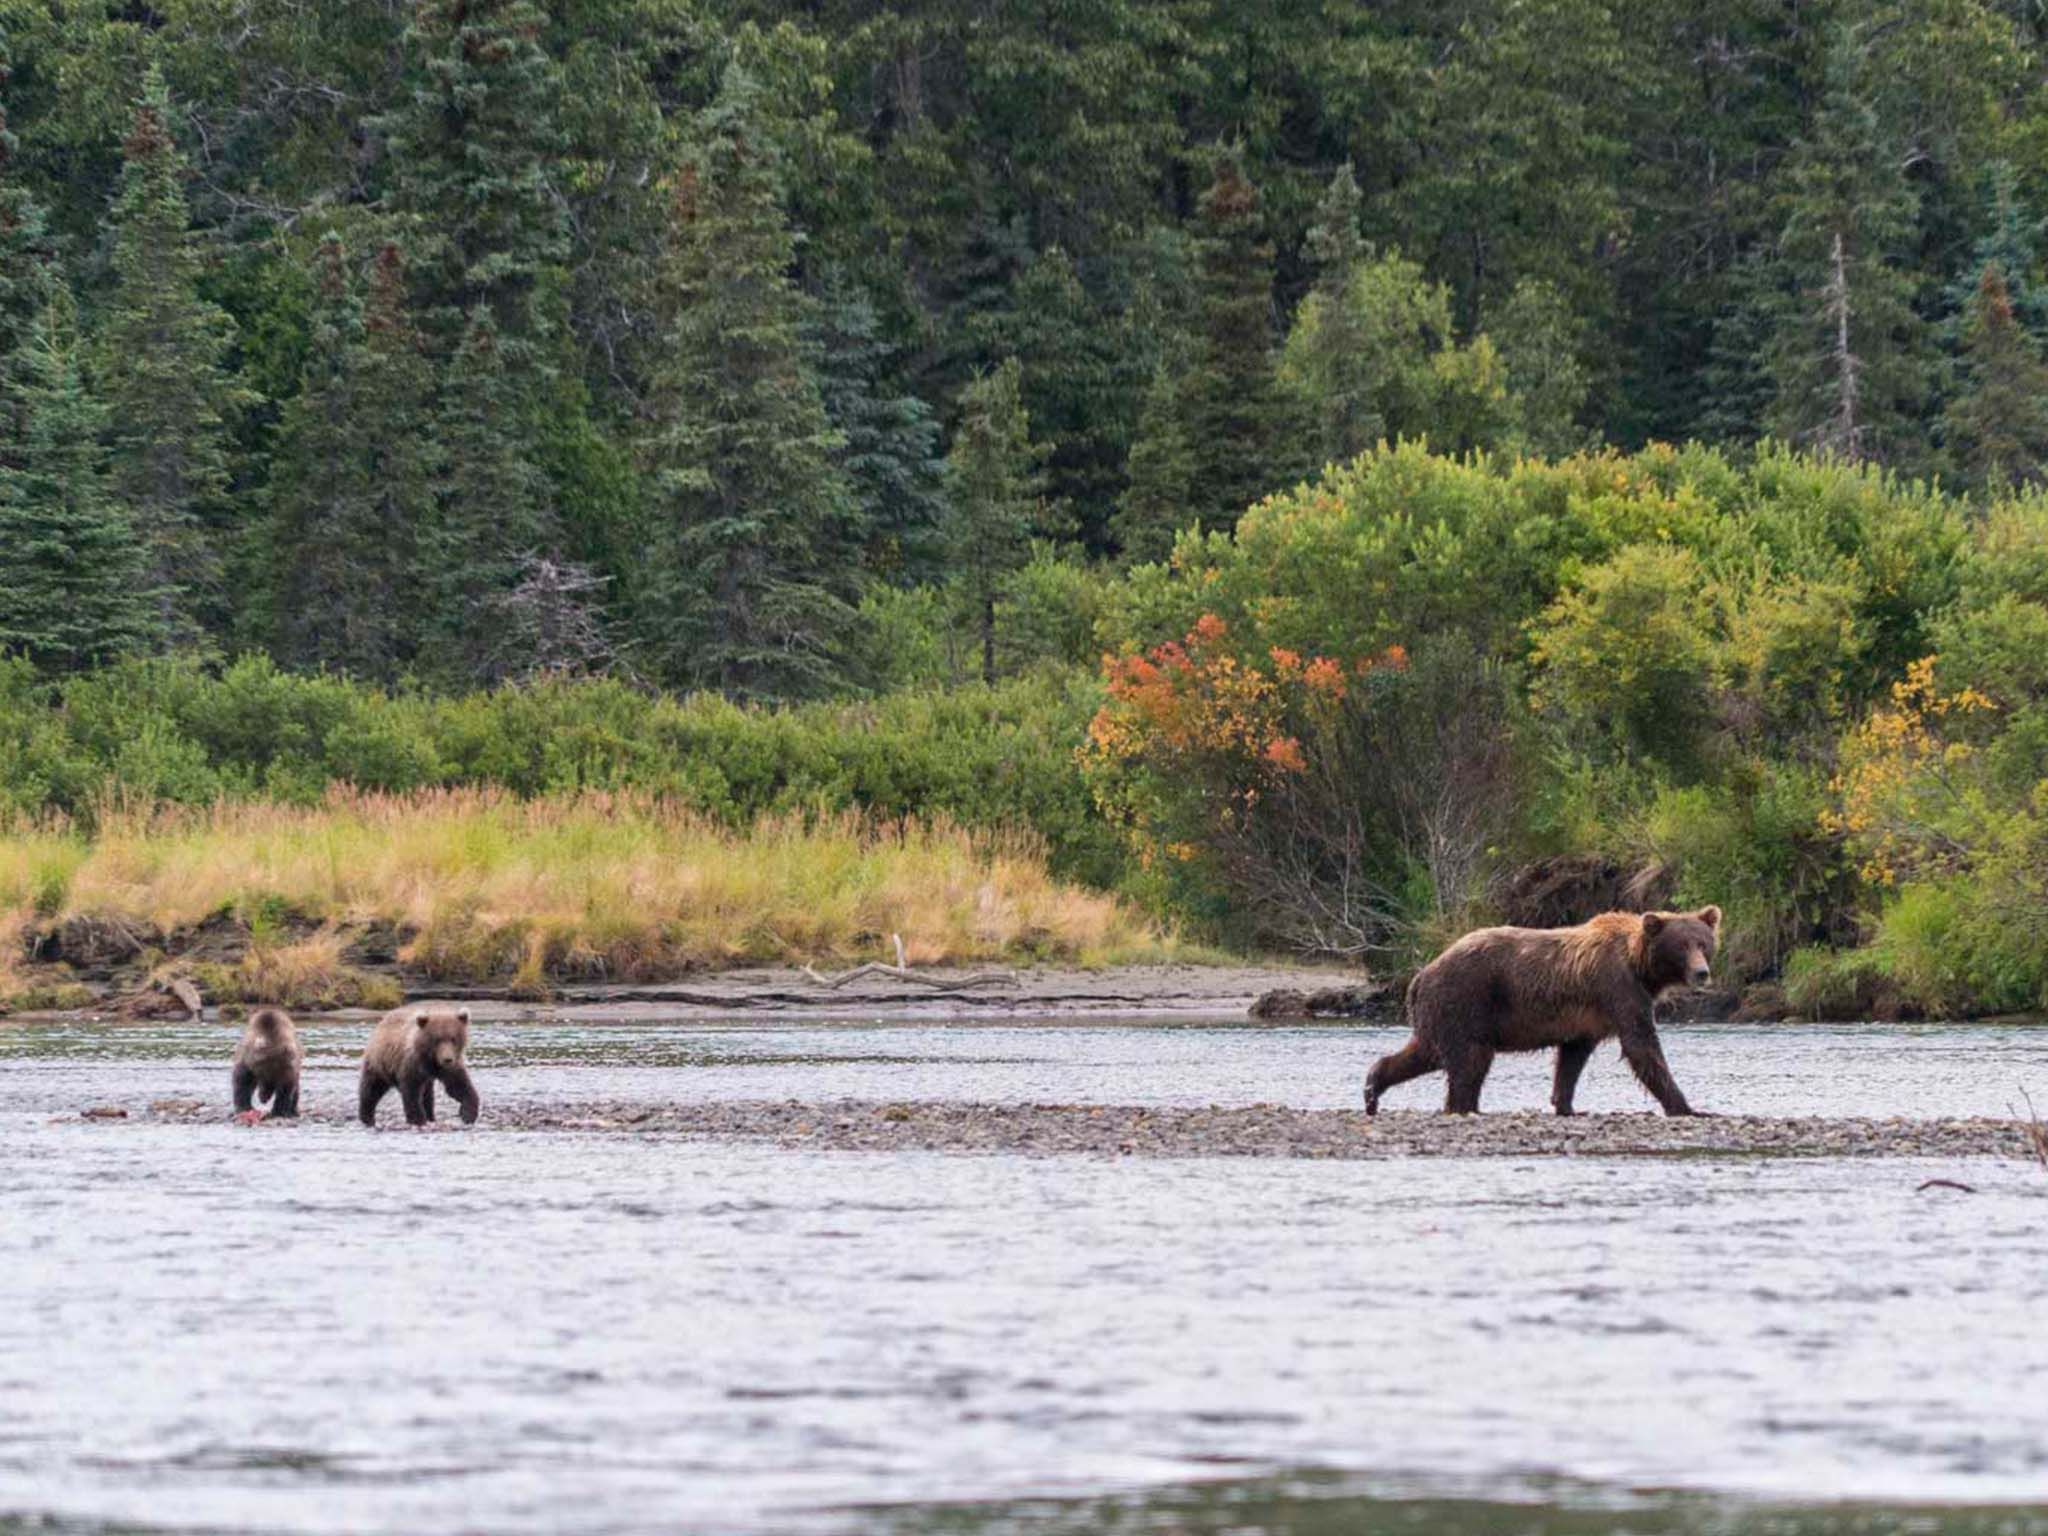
<point>419,1021</point>
<point>1711,916</point>
<point>462,1014</point>
<point>1653,924</point>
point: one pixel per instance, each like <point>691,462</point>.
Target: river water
<point>318,1329</point>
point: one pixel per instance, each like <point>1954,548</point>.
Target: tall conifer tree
<point>1846,352</point>
<point>997,493</point>
<point>26,249</point>
<point>1997,427</point>
<point>475,141</point>
<point>163,351</point>
<point>888,439</point>
<point>74,582</point>
<point>749,572</point>
<point>1218,432</point>
<point>353,480</point>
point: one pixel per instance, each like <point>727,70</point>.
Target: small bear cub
<point>411,1049</point>
<point>267,1062</point>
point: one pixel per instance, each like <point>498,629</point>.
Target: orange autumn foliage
<point>1192,715</point>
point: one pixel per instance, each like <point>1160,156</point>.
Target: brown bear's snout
<point>1700,974</point>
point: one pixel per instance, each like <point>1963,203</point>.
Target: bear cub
<point>411,1049</point>
<point>267,1062</point>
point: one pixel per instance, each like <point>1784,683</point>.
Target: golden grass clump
<point>311,973</point>
<point>614,886</point>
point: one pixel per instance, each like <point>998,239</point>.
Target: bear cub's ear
<point>1711,916</point>
<point>462,1014</point>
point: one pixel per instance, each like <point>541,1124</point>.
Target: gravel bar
<point>1260,1130</point>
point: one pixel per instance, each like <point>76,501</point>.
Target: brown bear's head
<point>1677,947</point>
<point>441,1034</point>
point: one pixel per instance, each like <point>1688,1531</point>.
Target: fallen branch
<point>1968,1189</point>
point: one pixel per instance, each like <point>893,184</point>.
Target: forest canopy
<point>473,338</point>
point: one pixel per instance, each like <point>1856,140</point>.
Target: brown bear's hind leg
<point>1571,1061</point>
<point>1413,1060</point>
<point>373,1090</point>
<point>1467,1071</point>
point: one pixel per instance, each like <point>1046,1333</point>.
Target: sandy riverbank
<point>1208,991</point>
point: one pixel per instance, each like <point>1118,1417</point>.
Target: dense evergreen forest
<point>475,337</point>
<point>371,372</point>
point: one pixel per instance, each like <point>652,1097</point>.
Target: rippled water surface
<point>320,1329</point>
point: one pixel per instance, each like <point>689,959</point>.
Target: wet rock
<point>1762,1003</point>
<point>1373,1000</point>
<point>1704,1005</point>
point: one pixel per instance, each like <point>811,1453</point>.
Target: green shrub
<point>1846,986</point>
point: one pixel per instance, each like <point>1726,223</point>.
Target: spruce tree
<point>1330,366</point>
<point>2011,242</point>
<point>163,350</point>
<point>749,568</point>
<point>1217,434</point>
<point>1997,427</point>
<point>352,480</point>
<point>475,141</point>
<point>1234,419</point>
<point>997,493</point>
<point>26,249</point>
<point>1156,501</point>
<point>1539,341</point>
<point>496,508</point>
<point>74,581</point>
<point>1335,245</point>
<point>888,439</point>
<point>1080,389</point>
<point>1845,355</point>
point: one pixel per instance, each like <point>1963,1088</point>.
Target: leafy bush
<point>1341,806</point>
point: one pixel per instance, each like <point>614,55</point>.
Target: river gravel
<point>1259,1130</point>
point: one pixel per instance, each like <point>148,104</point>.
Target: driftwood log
<point>901,971</point>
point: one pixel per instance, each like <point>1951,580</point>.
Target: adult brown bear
<point>1526,989</point>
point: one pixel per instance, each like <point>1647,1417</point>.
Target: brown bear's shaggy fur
<point>267,1062</point>
<point>410,1049</point>
<point>1525,989</point>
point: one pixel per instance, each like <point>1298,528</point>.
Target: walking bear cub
<point>268,1062</point>
<point>1526,989</point>
<point>411,1049</point>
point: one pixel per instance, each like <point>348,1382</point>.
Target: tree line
<point>474,339</point>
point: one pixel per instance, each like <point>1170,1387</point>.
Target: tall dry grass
<point>595,885</point>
